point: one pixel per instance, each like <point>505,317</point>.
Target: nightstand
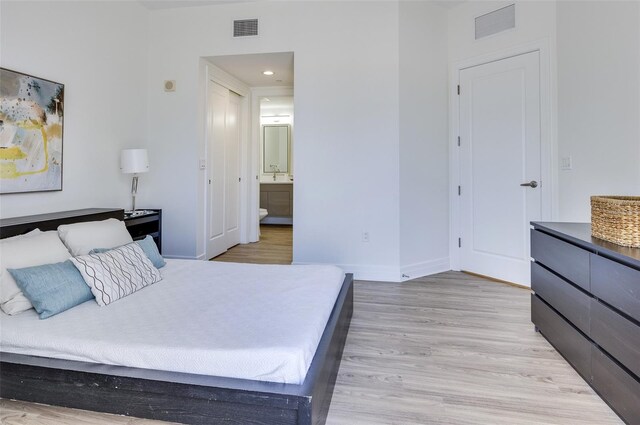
<point>147,223</point>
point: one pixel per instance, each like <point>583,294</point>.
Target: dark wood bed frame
<point>171,396</point>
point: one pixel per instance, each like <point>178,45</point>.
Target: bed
<point>177,395</point>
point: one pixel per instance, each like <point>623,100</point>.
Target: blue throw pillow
<point>52,288</point>
<point>149,247</point>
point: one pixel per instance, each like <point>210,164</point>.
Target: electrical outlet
<point>202,164</point>
<point>365,236</point>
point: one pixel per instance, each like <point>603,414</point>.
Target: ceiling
<point>449,4</point>
<point>248,68</point>
<point>170,4</point>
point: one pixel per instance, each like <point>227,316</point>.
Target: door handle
<point>532,183</point>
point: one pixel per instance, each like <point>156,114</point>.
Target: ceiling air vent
<point>245,27</point>
<point>496,21</point>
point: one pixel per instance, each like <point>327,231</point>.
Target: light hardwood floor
<point>454,349</point>
<point>274,247</point>
<point>446,349</point>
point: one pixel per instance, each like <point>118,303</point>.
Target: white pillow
<point>116,273</point>
<point>26,235</point>
<point>34,249</point>
<point>81,238</point>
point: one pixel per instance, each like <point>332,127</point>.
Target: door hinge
<point>458,89</point>
<point>458,140</point>
<point>459,242</point>
<point>239,179</point>
<point>459,190</point>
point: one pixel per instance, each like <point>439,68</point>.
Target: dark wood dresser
<point>587,305</point>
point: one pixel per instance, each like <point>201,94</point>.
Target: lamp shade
<point>134,161</point>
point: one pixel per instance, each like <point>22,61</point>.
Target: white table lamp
<point>134,161</point>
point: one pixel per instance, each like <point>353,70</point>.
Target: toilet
<point>263,213</point>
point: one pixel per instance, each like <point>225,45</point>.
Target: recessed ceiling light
<point>268,73</point>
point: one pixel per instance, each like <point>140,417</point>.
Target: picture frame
<point>31,133</point>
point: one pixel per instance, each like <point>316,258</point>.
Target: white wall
<point>424,167</point>
<point>98,50</point>
<point>346,100</point>
<point>598,102</point>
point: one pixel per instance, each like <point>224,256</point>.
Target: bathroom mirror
<point>275,139</point>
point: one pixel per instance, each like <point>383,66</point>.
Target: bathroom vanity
<point>587,305</point>
<point>277,199</point>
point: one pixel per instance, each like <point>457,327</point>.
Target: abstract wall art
<point>31,124</point>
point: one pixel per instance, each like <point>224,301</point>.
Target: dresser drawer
<point>616,386</point>
<point>616,335</point>
<point>616,284</point>
<point>563,258</point>
<point>564,337</point>
<point>568,300</point>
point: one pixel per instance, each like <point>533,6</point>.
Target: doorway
<point>276,159</point>
<point>500,189</point>
<point>236,85</point>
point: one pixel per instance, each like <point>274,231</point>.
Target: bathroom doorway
<point>276,160</point>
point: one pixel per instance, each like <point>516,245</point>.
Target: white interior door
<point>223,171</point>
<point>232,170</point>
<point>218,98</point>
<point>499,151</point>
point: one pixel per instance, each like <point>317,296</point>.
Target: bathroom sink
<point>280,179</point>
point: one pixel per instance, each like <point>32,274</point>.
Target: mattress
<point>247,321</point>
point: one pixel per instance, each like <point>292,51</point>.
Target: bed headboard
<point>19,225</point>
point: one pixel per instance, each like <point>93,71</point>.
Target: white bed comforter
<point>258,322</point>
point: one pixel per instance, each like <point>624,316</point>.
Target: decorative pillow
<point>15,253</point>
<point>52,288</point>
<point>81,238</point>
<point>149,247</point>
<point>116,273</point>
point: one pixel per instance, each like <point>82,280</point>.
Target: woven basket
<point>616,219</point>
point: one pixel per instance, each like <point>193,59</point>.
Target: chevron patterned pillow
<point>116,273</point>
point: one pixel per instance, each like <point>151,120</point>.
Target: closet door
<point>232,171</point>
<point>223,171</point>
<point>218,99</point>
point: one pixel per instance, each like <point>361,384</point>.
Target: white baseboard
<point>425,268</point>
<point>368,272</point>
<point>184,257</point>
<point>373,272</point>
